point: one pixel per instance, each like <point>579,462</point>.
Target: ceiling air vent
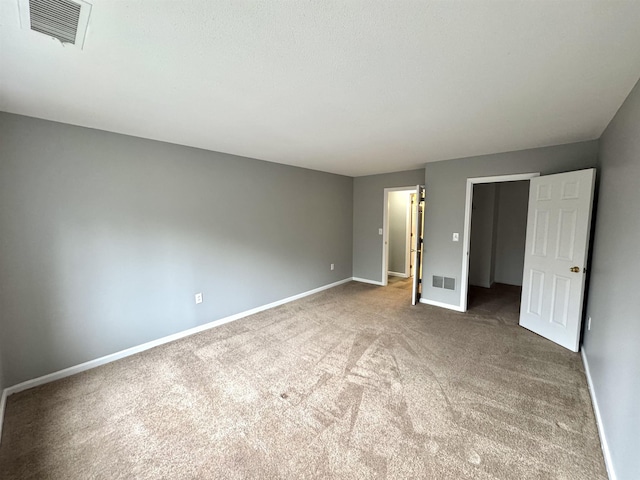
<point>65,20</point>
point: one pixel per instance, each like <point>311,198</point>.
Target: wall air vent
<point>444,282</point>
<point>64,20</point>
<point>449,283</point>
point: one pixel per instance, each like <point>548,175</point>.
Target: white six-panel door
<point>558,226</point>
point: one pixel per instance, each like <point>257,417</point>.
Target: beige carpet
<point>350,383</point>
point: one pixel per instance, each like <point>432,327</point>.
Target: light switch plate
<point>379,231</point>
<point>456,237</point>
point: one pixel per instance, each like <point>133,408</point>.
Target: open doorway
<point>555,255</point>
<point>469,216</point>
<point>401,219</point>
<point>497,246</point>
<point>399,231</point>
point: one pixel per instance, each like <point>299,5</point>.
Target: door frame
<point>385,229</point>
<point>466,235</point>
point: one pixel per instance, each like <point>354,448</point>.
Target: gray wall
<point>511,232</point>
<point>612,346</point>
<point>398,202</point>
<point>368,207</point>
<point>482,244</point>
<point>106,238</point>
<point>445,190</point>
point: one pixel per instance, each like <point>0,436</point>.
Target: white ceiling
<point>352,87</point>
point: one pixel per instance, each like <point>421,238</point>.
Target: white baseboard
<point>435,303</point>
<point>3,403</point>
<point>365,280</point>
<point>51,377</point>
<point>603,438</point>
<point>398,274</point>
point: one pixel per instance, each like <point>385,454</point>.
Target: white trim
<point>3,404</point>
<point>398,274</point>
<point>146,346</point>
<point>435,303</point>
<point>603,439</point>
<point>385,228</point>
<point>366,280</point>
<point>466,245</point>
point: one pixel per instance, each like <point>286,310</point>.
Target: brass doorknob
<point>575,269</point>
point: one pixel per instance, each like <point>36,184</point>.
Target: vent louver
<point>449,283</point>
<point>65,20</point>
<point>443,282</point>
<point>56,18</point>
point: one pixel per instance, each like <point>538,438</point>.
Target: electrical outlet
<point>333,266</point>
<point>198,297</point>
<point>589,324</point>
<point>379,231</point>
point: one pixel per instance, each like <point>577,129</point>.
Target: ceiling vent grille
<point>56,18</point>
<point>65,20</point>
